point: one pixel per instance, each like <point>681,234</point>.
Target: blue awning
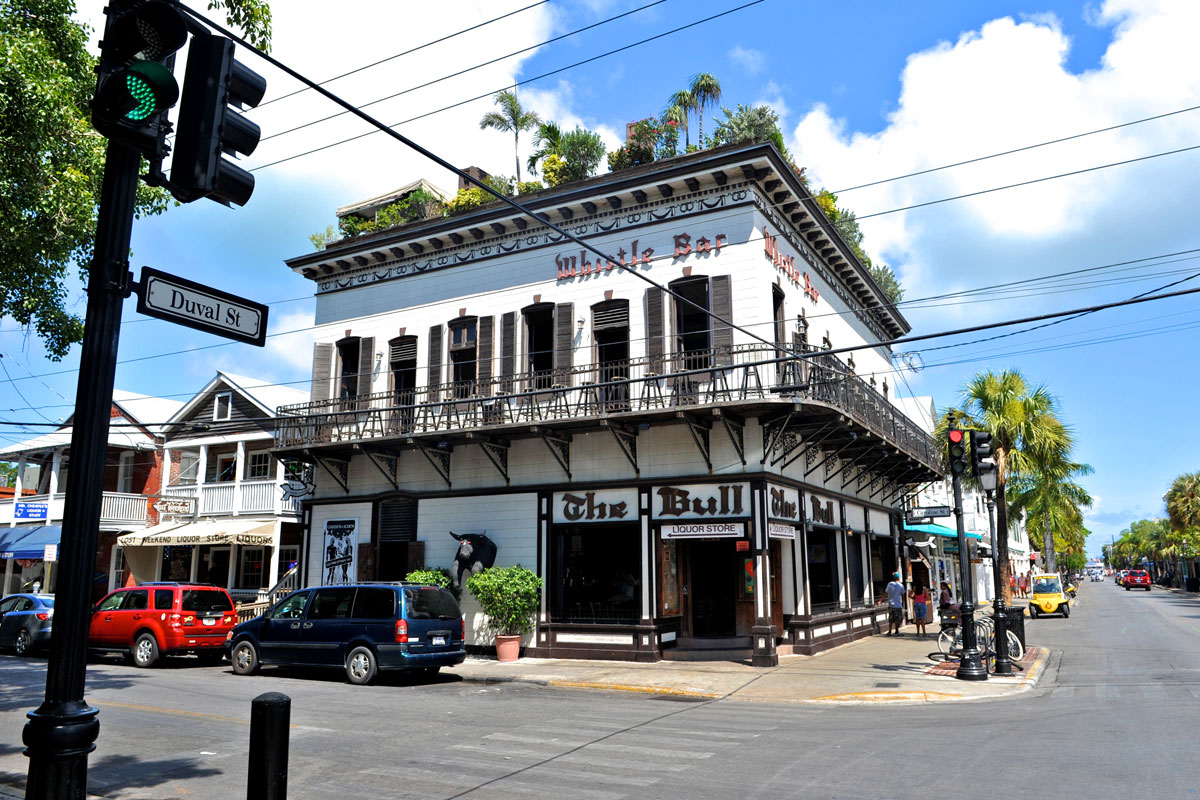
<point>28,542</point>
<point>939,530</point>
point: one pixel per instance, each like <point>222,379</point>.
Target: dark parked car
<point>25,621</point>
<point>151,620</point>
<point>361,628</point>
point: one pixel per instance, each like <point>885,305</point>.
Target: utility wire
<point>386,128</point>
<point>405,53</point>
<point>464,71</point>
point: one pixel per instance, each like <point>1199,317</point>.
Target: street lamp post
<point>999,613</point>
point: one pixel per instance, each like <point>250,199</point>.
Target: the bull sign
<point>476,552</point>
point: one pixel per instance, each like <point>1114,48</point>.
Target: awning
<point>939,530</point>
<point>28,542</point>
<point>248,532</point>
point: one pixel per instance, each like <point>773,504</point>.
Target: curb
<point>620,687</point>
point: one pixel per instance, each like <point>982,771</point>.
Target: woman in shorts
<point>920,598</point>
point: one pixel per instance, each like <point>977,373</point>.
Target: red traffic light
<point>955,435</point>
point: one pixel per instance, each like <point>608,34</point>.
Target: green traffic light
<point>139,92</point>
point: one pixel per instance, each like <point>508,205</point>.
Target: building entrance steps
<point>722,648</point>
<point>876,669</point>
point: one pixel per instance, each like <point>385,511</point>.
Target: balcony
<point>809,402</point>
<point>254,497</point>
<point>116,508</point>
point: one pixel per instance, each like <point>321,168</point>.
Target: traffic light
<point>208,128</point>
<point>981,453</point>
<point>958,451</point>
<point>135,85</point>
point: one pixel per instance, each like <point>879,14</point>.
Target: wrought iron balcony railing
<point>743,374</point>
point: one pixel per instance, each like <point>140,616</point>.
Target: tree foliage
<point>750,124</point>
<point>511,117</point>
<point>53,160</point>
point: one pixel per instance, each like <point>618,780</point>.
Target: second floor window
<point>189,467</point>
<point>258,465</point>
<point>463,356</point>
<point>223,407</point>
<point>125,473</point>
<point>226,469</point>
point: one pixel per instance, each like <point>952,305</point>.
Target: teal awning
<point>939,530</point>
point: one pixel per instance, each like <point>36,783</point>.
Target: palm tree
<point>1049,499</point>
<point>547,141</point>
<point>706,89</point>
<point>510,117</point>
<point>1183,503</point>
<point>1025,431</point>
<point>679,106</point>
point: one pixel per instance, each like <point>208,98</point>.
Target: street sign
<point>928,512</point>
<point>201,307</point>
<point>32,511</point>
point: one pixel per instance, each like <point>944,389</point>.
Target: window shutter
<point>654,329</point>
<point>402,348</point>
<point>564,341</point>
<point>366,364</point>
<point>398,521</point>
<point>508,349</point>
<point>435,360</point>
<point>484,366</point>
<point>322,368</point>
<point>611,315</point>
<point>722,306</point>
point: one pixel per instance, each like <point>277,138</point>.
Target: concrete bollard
<point>270,716</point>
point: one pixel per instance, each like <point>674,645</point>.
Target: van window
<point>375,603</point>
<point>201,600</point>
<point>431,603</point>
<point>331,603</point>
<point>292,607</point>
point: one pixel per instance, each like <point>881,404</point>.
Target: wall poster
<point>341,551</point>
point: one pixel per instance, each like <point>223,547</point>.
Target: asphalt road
<point>1114,717</point>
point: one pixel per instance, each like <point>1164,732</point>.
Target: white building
<point>678,484</point>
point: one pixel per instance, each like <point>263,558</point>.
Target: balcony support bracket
<point>497,453</point>
<point>386,464</point>
<point>735,427</point>
<point>849,480</point>
<point>773,431</point>
<point>835,454</point>
<point>559,446</point>
<point>439,459</point>
<point>338,469</point>
<point>812,446</point>
<point>701,430</point>
<point>627,441</point>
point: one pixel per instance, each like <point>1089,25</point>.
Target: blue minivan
<point>361,628</point>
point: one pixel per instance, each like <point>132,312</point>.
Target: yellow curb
<point>886,697</point>
<point>1039,665</point>
<point>619,687</point>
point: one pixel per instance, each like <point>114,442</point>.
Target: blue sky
<point>865,91</point>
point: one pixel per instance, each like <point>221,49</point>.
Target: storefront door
<point>214,566</point>
<point>713,584</point>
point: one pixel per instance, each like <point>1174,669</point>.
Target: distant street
<point>1116,715</point>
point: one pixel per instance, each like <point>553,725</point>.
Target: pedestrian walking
<point>1023,584</point>
<point>920,597</point>
<point>895,596</point>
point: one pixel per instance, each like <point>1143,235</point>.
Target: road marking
<point>618,687</point>
<point>174,712</point>
<point>885,697</point>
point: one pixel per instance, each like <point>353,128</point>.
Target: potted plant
<point>509,596</point>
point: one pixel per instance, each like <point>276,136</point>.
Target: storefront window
<point>822,571</point>
<point>251,568</point>
<point>883,564</point>
<point>854,564</point>
<point>176,563</point>
<point>595,573</point>
<point>669,604</point>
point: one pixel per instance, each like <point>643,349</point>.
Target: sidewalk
<point>875,669</point>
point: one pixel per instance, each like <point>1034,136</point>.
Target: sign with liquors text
<point>31,511</point>
<point>823,511</point>
<point>704,530</point>
<point>340,561</point>
<point>595,505</point>
<point>700,501</point>
<point>777,530</point>
<point>783,503</point>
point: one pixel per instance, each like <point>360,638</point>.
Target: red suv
<point>1137,577</point>
<point>152,620</point>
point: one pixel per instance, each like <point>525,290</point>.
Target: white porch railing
<point>121,507</point>
<point>115,507</point>
<point>256,497</point>
<point>216,498</point>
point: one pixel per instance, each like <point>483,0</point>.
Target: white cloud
<point>1004,86</point>
<point>752,61</point>
<point>771,95</point>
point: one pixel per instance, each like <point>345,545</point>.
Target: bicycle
<point>950,642</point>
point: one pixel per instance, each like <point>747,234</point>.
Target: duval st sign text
<point>201,307</point>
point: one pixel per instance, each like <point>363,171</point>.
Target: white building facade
<point>677,483</point>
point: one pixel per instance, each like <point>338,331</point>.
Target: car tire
<point>145,651</point>
<point>244,658</point>
<point>361,666</point>
<point>1033,612</point>
<point>1127,588</point>
<point>1066,612</point>
<point>23,642</point>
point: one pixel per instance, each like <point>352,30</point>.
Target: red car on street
<point>1137,577</point>
<point>151,620</point>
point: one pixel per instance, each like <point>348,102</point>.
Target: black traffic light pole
<point>999,612</point>
<point>63,730</point>
<point>970,665</point>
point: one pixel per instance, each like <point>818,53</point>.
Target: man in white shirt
<point>895,596</point>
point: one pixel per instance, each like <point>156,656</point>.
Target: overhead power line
<point>409,51</point>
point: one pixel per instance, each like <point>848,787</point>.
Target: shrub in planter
<point>509,596</point>
<point>434,576</point>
